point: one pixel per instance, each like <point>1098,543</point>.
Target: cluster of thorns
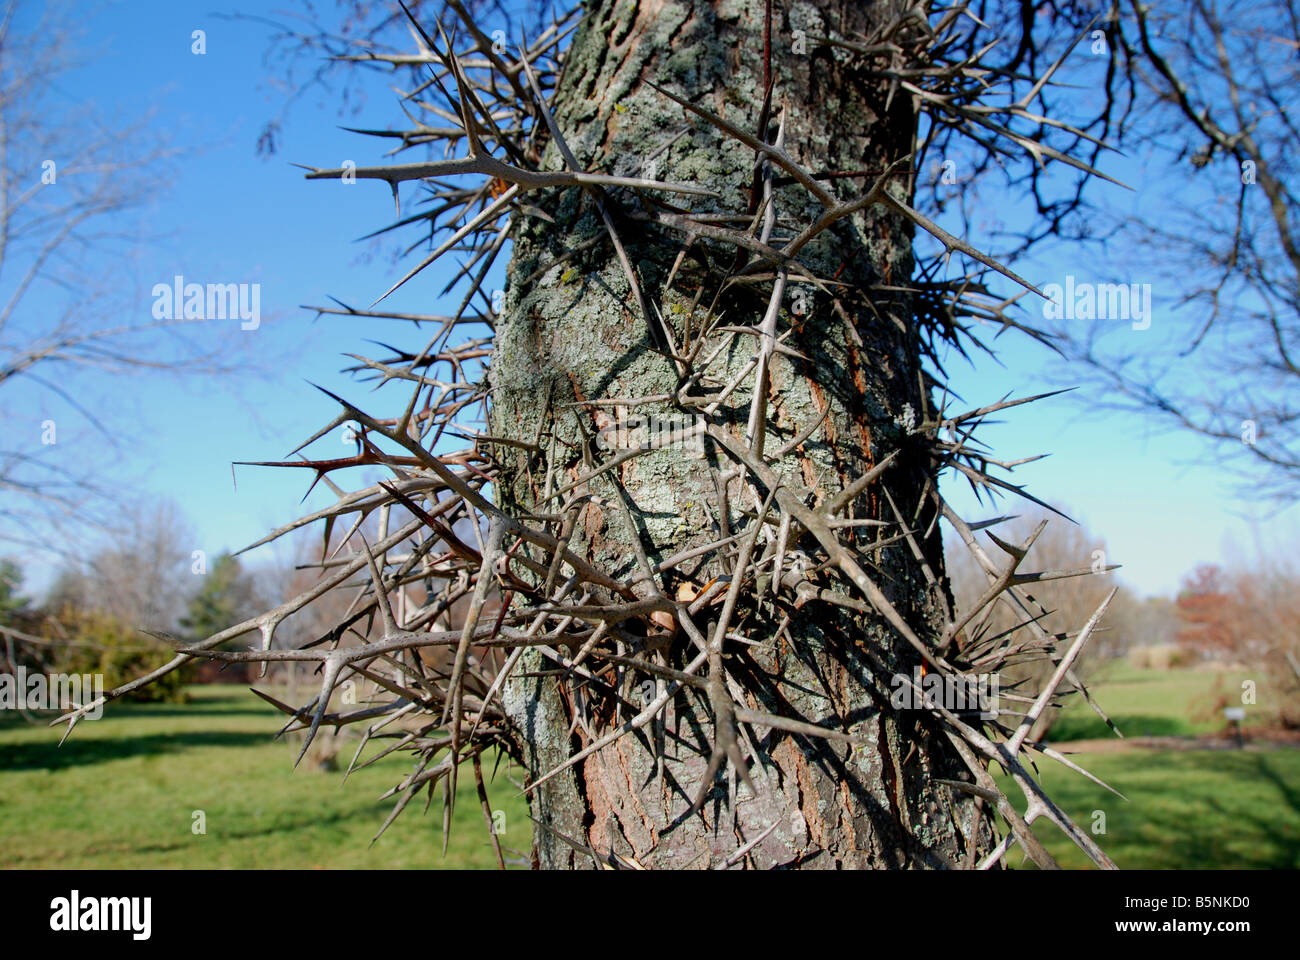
<point>496,585</point>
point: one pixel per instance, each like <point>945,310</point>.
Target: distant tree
<point>18,621</point>
<point>227,596</point>
<point>1211,98</point>
<point>71,175</point>
<point>1208,611</point>
<point>95,642</point>
<point>143,577</point>
<point>113,613</point>
<point>1249,614</point>
<point>12,602</point>
<point>1148,621</point>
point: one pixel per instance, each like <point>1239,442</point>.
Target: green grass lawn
<point>1186,809</point>
<point>1153,703</point>
<point>120,793</point>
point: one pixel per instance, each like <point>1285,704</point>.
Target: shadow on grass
<point>85,751</point>
<point>1092,727</point>
<point>1202,810</point>
<point>1283,837</point>
<point>278,826</point>
<point>337,823</point>
<point>1216,835</point>
<point>236,703</point>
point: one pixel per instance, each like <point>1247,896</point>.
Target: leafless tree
<point>141,577</point>
<point>70,178</point>
<point>1211,89</point>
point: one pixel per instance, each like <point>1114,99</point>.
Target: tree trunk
<point>571,332</point>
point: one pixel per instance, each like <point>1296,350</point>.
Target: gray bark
<point>571,332</point>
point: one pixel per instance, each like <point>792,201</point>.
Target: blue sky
<point>230,216</point>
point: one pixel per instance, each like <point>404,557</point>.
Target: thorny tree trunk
<point>571,333</point>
